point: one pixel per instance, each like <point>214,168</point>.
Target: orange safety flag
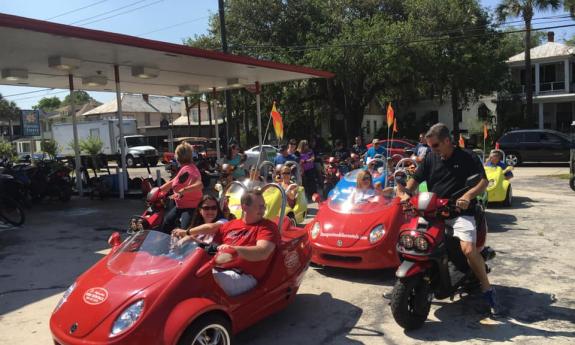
<point>390,115</point>
<point>461,141</point>
<point>277,122</point>
<point>395,126</point>
<point>485,131</point>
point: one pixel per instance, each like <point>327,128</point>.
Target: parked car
<point>396,146</point>
<point>252,154</point>
<point>535,145</point>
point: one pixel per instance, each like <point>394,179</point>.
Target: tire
<point>154,163</point>
<point>512,159</point>
<point>411,301</point>
<point>508,197</point>
<point>572,183</point>
<point>206,328</point>
<point>130,161</point>
<point>292,219</point>
<point>11,212</point>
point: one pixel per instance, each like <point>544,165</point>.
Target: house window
<point>95,133</point>
<point>147,119</point>
<point>367,127</point>
<point>374,126</point>
<point>434,116</point>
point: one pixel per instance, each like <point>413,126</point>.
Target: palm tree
<point>525,9</point>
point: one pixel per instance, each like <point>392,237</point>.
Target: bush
<point>91,145</point>
<point>6,150</point>
<point>50,147</point>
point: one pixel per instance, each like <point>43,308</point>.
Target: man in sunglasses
<point>446,170</point>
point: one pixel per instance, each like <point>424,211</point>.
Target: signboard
<point>30,120</point>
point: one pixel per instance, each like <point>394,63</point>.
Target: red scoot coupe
<point>353,232</point>
<point>148,291</point>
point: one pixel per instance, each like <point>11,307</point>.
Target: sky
<point>162,20</point>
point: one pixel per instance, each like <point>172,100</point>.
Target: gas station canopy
<point>43,54</point>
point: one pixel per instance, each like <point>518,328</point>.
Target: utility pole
<point>225,50</point>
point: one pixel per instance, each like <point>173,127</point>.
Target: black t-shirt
<point>445,177</point>
<point>340,153</point>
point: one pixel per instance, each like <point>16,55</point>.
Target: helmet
<point>227,168</point>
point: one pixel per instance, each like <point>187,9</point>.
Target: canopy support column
<point>77,160</point>
<point>259,117</point>
<point>214,105</point>
<point>121,131</point>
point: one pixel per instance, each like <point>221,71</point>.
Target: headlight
<point>65,297</point>
<point>421,244</point>
<point>491,183</point>
<point>315,230</point>
<point>128,317</point>
<point>406,241</point>
<point>376,234</point>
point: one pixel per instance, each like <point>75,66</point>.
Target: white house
<point>553,88</point>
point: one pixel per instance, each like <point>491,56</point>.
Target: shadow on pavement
<point>462,320</point>
<point>57,243</point>
<point>546,164</point>
<point>500,222</point>
<point>519,202</point>
<point>311,319</point>
<point>375,277</point>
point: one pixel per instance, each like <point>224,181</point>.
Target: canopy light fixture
<point>233,82</point>
<point>14,74</point>
<point>63,63</point>
<point>145,72</point>
<point>189,89</point>
<point>95,80</point>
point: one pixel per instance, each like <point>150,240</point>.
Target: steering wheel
<point>210,248</point>
<point>400,172</point>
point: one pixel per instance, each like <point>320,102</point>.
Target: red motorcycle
<point>157,204</point>
<point>433,264</point>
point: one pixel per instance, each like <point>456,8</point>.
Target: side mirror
<point>115,239</point>
<point>473,180</point>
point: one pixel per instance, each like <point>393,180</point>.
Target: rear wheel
<point>572,183</point>
<point>130,161</point>
<point>508,197</point>
<point>212,329</point>
<point>411,301</point>
<point>512,159</point>
<point>11,212</point>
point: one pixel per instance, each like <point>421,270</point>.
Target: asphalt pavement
<point>533,274</point>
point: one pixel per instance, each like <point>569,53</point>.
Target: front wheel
<point>512,159</point>
<point>572,183</point>
<point>211,329</point>
<point>11,212</point>
<point>130,161</point>
<point>411,301</point>
<point>508,197</point>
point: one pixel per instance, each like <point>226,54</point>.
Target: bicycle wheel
<point>11,212</point>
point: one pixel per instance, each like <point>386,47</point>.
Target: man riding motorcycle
<point>445,170</point>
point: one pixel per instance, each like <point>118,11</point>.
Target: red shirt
<point>238,233</point>
<point>187,175</point>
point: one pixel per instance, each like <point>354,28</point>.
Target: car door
<point>531,149</point>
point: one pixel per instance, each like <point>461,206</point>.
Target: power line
<point>76,10</point>
<point>121,13</point>
<point>172,26</point>
<point>107,12</point>
<point>26,93</point>
<point>38,96</point>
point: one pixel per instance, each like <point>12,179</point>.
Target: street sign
<point>30,120</point>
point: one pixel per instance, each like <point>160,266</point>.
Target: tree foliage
<point>8,110</point>
<point>80,97</point>
<point>394,50</point>
<point>48,104</point>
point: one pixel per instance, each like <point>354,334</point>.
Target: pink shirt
<point>187,175</point>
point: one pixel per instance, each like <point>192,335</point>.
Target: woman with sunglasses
<point>207,219</point>
<point>365,189</point>
<point>288,185</point>
<point>235,159</point>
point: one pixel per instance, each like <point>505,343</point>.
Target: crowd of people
<point>246,244</point>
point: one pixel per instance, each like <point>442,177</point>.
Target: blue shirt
<point>502,165</point>
<point>280,159</point>
<point>373,151</point>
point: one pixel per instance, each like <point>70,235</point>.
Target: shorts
<point>464,228</point>
<point>234,283</point>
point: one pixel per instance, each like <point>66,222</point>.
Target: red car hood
<point>347,230</point>
<point>100,292</point>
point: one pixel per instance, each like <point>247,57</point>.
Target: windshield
<point>135,141</point>
<point>148,252</point>
<point>347,199</point>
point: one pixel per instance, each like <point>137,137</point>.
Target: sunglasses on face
<point>367,178</point>
<point>209,208</point>
<point>286,173</point>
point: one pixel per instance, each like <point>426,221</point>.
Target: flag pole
<point>484,137</point>
<point>267,128</point>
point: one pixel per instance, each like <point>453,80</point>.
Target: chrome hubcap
<point>511,159</point>
<point>212,335</point>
